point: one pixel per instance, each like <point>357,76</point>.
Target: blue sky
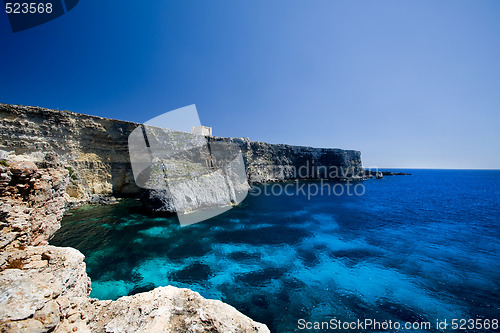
<point>409,83</point>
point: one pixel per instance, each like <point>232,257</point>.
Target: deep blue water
<point>412,248</point>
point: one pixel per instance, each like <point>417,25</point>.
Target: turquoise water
<point>412,248</point>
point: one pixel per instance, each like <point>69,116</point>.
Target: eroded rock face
<point>31,203</point>
<point>95,150</point>
<point>36,280</point>
<point>46,289</point>
<point>170,309</point>
<point>39,285</point>
<point>279,162</point>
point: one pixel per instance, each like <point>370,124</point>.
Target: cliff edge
<point>95,151</point>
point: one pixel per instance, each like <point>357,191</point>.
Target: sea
<point>420,253</point>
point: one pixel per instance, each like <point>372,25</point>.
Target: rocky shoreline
<point>52,160</point>
<point>45,288</point>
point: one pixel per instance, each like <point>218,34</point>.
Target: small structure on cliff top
<point>202,130</point>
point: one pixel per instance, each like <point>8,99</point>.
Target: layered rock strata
<point>95,151</point>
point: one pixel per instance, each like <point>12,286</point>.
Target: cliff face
<point>267,162</point>
<point>45,288</point>
<point>40,285</point>
<point>32,201</point>
<point>95,151</point>
<point>94,148</point>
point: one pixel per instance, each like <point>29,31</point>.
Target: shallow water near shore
<point>412,248</point>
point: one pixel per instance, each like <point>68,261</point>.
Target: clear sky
<point>409,83</point>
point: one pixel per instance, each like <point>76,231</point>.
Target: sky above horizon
<point>412,84</point>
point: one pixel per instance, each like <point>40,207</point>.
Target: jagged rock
<point>31,204</point>
<point>5,177</point>
<point>31,282</point>
<point>46,289</point>
<point>194,194</point>
<point>170,309</point>
<point>102,200</point>
<point>22,169</point>
<point>51,160</point>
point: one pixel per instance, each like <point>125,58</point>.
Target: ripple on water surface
<point>405,251</point>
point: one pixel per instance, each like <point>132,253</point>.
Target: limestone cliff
<point>280,162</point>
<point>46,289</point>
<point>95,151</point>
<point>55,157</point>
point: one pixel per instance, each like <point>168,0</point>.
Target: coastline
<point>45,288</point>
<point>95,151</point>
<point>56,160</point>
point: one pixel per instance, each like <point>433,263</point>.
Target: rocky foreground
<point>46,289</point>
